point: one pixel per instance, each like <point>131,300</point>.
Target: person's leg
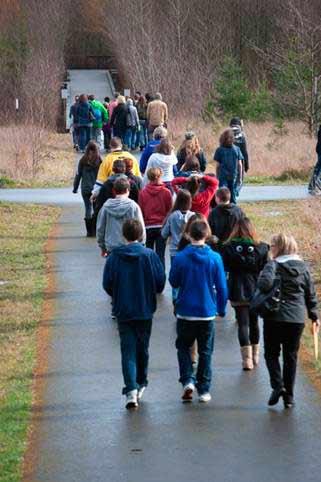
<point>82,137</point>
<point>255,337</point>
<point>160,245</point>
<point>127,137</point>
<point>243,322</point>
<point>87,135</point>
<point>150,238</point>
<point>315,174</point>
<point>232,185</point>
<point>272,333</point>
<point>143,330</point>
<point>128,343</point>
<point>88,205</point>
<point>291,345</point>
<point>133,138</point>
<point>185,339</point>
<point>205,343</point>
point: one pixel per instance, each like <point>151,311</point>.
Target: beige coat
<point>157,113</point>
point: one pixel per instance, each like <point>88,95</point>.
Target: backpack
<point>97,114</point>
<point>268,303</point>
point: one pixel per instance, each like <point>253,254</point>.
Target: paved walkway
<point>65,196</point>
<point>85,434</point>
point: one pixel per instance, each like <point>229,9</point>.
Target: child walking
<point>198,273</point>
<point>133,275</point>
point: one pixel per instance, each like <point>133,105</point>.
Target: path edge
<point>43,338</point>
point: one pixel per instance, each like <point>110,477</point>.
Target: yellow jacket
<point>106,167</point>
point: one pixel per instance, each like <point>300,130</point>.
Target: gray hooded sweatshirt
<point>110,221</point>
<point>174,227</point>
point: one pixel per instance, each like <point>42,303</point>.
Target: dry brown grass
<point>30,155</point>
<point>272,151</point>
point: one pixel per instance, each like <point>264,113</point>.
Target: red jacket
<point>202,200</point>
<point>155,201</point>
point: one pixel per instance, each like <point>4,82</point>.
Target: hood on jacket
<point>227,209</point>
<point>118,207</point>
<point>130,102</point>
<point>293,266</point>
<point>129,252</point>
<point>155,189</point>
<point>199,254</point>
<point>238,133</point>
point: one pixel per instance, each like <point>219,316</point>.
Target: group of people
<point>215,256</point>
<point>133,120</point>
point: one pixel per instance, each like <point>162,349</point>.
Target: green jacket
<point>101,114</point>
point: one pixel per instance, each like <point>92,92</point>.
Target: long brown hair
<point>191,146</point>
<point>92,157</point>
<point>227,138</point>
<point>193,185</point>
<point>183,201</point>
<point>164,147</point>
<point>244,229</point>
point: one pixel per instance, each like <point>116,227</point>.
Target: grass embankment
<point>303,220</point>
<point>24,231</point>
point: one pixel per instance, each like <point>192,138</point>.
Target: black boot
<point>88,223</point>
<point>93,226</point>
<point>275,396</point>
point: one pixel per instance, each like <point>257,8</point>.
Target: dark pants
<point>154,240</point>
<point>107,135</point>
<point>134,343</point>
<point>248,326</point>
<point>150,131</point>
<point>88,205</point>
<point>84,136</point>
<point>287,336</point>
<point>117,132</point>
<point>75,134</point>
<point>231,185</point>
<point>315,181</point>
<point>187,333</point>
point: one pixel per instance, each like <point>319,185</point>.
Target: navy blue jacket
<point>197,271</point>
<point>133,275</point>
<point>147,152</point>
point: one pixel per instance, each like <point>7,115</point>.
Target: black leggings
<point>248,326</point>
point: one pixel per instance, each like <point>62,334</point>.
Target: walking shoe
<point>140,393</point>
<point>275,396</point>
<point>247,357</point>
<point>188,391</point>
<point>288,400</point>
<point>256,354</point>
<point>131,399</point>
<point>205,397</point>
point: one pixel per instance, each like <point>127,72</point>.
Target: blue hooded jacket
<point>199,274</point>
<point>133,275</point>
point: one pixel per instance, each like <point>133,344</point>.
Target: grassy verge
<point>303,220</point>
<point>24,231</point>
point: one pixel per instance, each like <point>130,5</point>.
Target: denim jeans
<point>88,205</point>
<point>96,134</point>
<point>130,138</point>
<point>84,137</point>
<point>142,137</point>
<point>75,134</point>
<point>231,185</point>
<point>187,333</point>
<point>134,343</point>
<point>315,181</point>
<point>155,240</point>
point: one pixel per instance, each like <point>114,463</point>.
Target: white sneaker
<point>131,399</point>
<point>188,391</point>
<point>205,397</point>
<point>140,393</point>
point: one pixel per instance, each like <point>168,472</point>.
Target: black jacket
<point>244,261</point>
<point>181,159</point>
<point>297,290</point>
<point>119,118</point>
<point>318,146</point>
<point>240,141</point>
<point>87,175</point>
<point>106,190</point>
<point>222,220</point>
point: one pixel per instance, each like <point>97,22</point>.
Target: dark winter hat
<point>236,121</point>
<point>189,135</point>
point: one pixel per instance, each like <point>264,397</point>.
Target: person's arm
<point>207,195</point>
<point>101,228</point>
<point>141,203</point>
<point>168,202</point>
<point>136,170</point>
<point>140,218</point>
<point>177,182</point>
<point>147,152</point>
<point>220,287</point>
<point>245,155</point>
<point>267,277</point>
<point>165,113</point>
<point>217,161</point>
<point>202,160</point>
<point>104,113</point>
<point>311,298</point>
<point>166,230</point>
<point>112,120</point>
<point>148,112</point>
<point>158,272</point>
<point>174,274</point>
<point>78,177</point>
<point>108,278</point>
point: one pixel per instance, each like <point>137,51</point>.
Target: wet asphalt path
<point>86,435</point>
<point>63,196</point>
